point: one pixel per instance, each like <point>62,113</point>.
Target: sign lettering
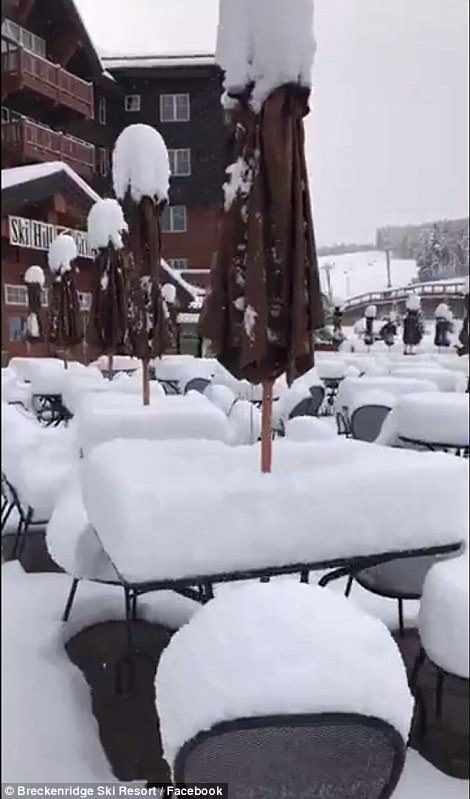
<point>36,235</point>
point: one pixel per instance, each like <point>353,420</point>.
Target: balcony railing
<point>437,289</point>
<point>30,141</point>
<point>22,69</point>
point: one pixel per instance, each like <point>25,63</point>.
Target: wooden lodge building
<point>62,109</point>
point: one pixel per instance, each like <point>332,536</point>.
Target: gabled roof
<point>121,62</point>
<point>35,182</point>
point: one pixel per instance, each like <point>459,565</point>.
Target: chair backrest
<point>306,407</point>
<point>318,394</point>
<point>342,423</point>
<point>366,422</point>
<point>197,384</point>
<point>335,756</point>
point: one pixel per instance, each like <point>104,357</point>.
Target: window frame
<point>103,161</point>
<point>102,110</point>
<point>11,288</point>
<point>170,209</point>
<point>21,337</point>
<point>134,97</point>
<point>173,153</point>
<point>174,97</point>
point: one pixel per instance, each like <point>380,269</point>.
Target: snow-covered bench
<point>268,686</point>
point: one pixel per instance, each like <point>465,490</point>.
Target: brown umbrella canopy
<point>34,279</point>
<point>265,301</point>
<point>64,328</point>
<point>149,335</point>
<point>110,302</point>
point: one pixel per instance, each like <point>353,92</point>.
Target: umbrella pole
<point>110,367</point>
<point>266,438</point>
<point>145,382</point>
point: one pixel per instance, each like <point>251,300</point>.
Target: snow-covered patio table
<point>437,420</point>
<point>183,512</point>
<point>108,416</point>
<point>352,387</point>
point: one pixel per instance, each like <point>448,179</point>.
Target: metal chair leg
<point>418,664</point>
<point>349,586</point>
<point>70,598</point>
<point>24,533</point>
<point>439,693</point>
<point>401,621</point>
<point>16,544</point>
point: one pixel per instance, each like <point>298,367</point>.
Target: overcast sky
<point>389,130</point>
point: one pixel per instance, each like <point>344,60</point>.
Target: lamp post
<point>328,268</point>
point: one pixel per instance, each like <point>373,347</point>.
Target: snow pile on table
<point>267,43</point>
<point>371,397</point>
<point>245,423</point>
<point>123,416</point>
<point>282,648</point>
<point>444,615</point>
<point>177,367</point>
<point>75,390</point>
<point>332,369</point>
<point>444,379</point>
<point>71,541</point>
<point>337,499</point>
<point>106,224</point>
<point>141,164</point>
<point>306,428</point>
<point>352,387</point>
<point>120,362</point>
<point>436,418</point>
<point>62,252</point>
<point>14,389</point>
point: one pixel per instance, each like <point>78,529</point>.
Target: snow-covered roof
<point>24,174</point>
<point>116,62</point>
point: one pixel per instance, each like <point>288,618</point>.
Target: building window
<point>174,108</point>
<point>174,219</point>
<point>180,162</point>
<point>102,110</point>
<point>132,102</point>
<point>23,37</point>
<point>103,161</point>
<point>16,295</point>
<point>16,325</point>
<point>178,263</point>
<point>84,298</point>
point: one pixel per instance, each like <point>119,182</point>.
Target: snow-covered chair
<point>444,624</point>
<point>308,428</point>
<point>297,694</point>
<point>197,384</point>
<point>367,420</point>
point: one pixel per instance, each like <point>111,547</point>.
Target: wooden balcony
<point>22,69</point>
<point>26,140</point>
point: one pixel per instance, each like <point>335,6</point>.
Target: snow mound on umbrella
<point>413,302</point>
<point>35,275</point>
<point>106,224</point>
<point>250,51</point>
<point>141,164</point>
<point>62,252</point>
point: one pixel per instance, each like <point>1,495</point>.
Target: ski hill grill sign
<point>35,235</point>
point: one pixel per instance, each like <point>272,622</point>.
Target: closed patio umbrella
<point>141,173</point>
<point>265,302</point>
<point>35,281</point>
<point>64,328</point>
<point>106,226</point>
<point>464,332</point>
<point>413,330</point>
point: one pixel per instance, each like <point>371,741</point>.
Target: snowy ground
<point>49,730</point>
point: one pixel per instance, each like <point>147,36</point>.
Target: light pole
<point>348,282</point>
<point>328,268</point>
